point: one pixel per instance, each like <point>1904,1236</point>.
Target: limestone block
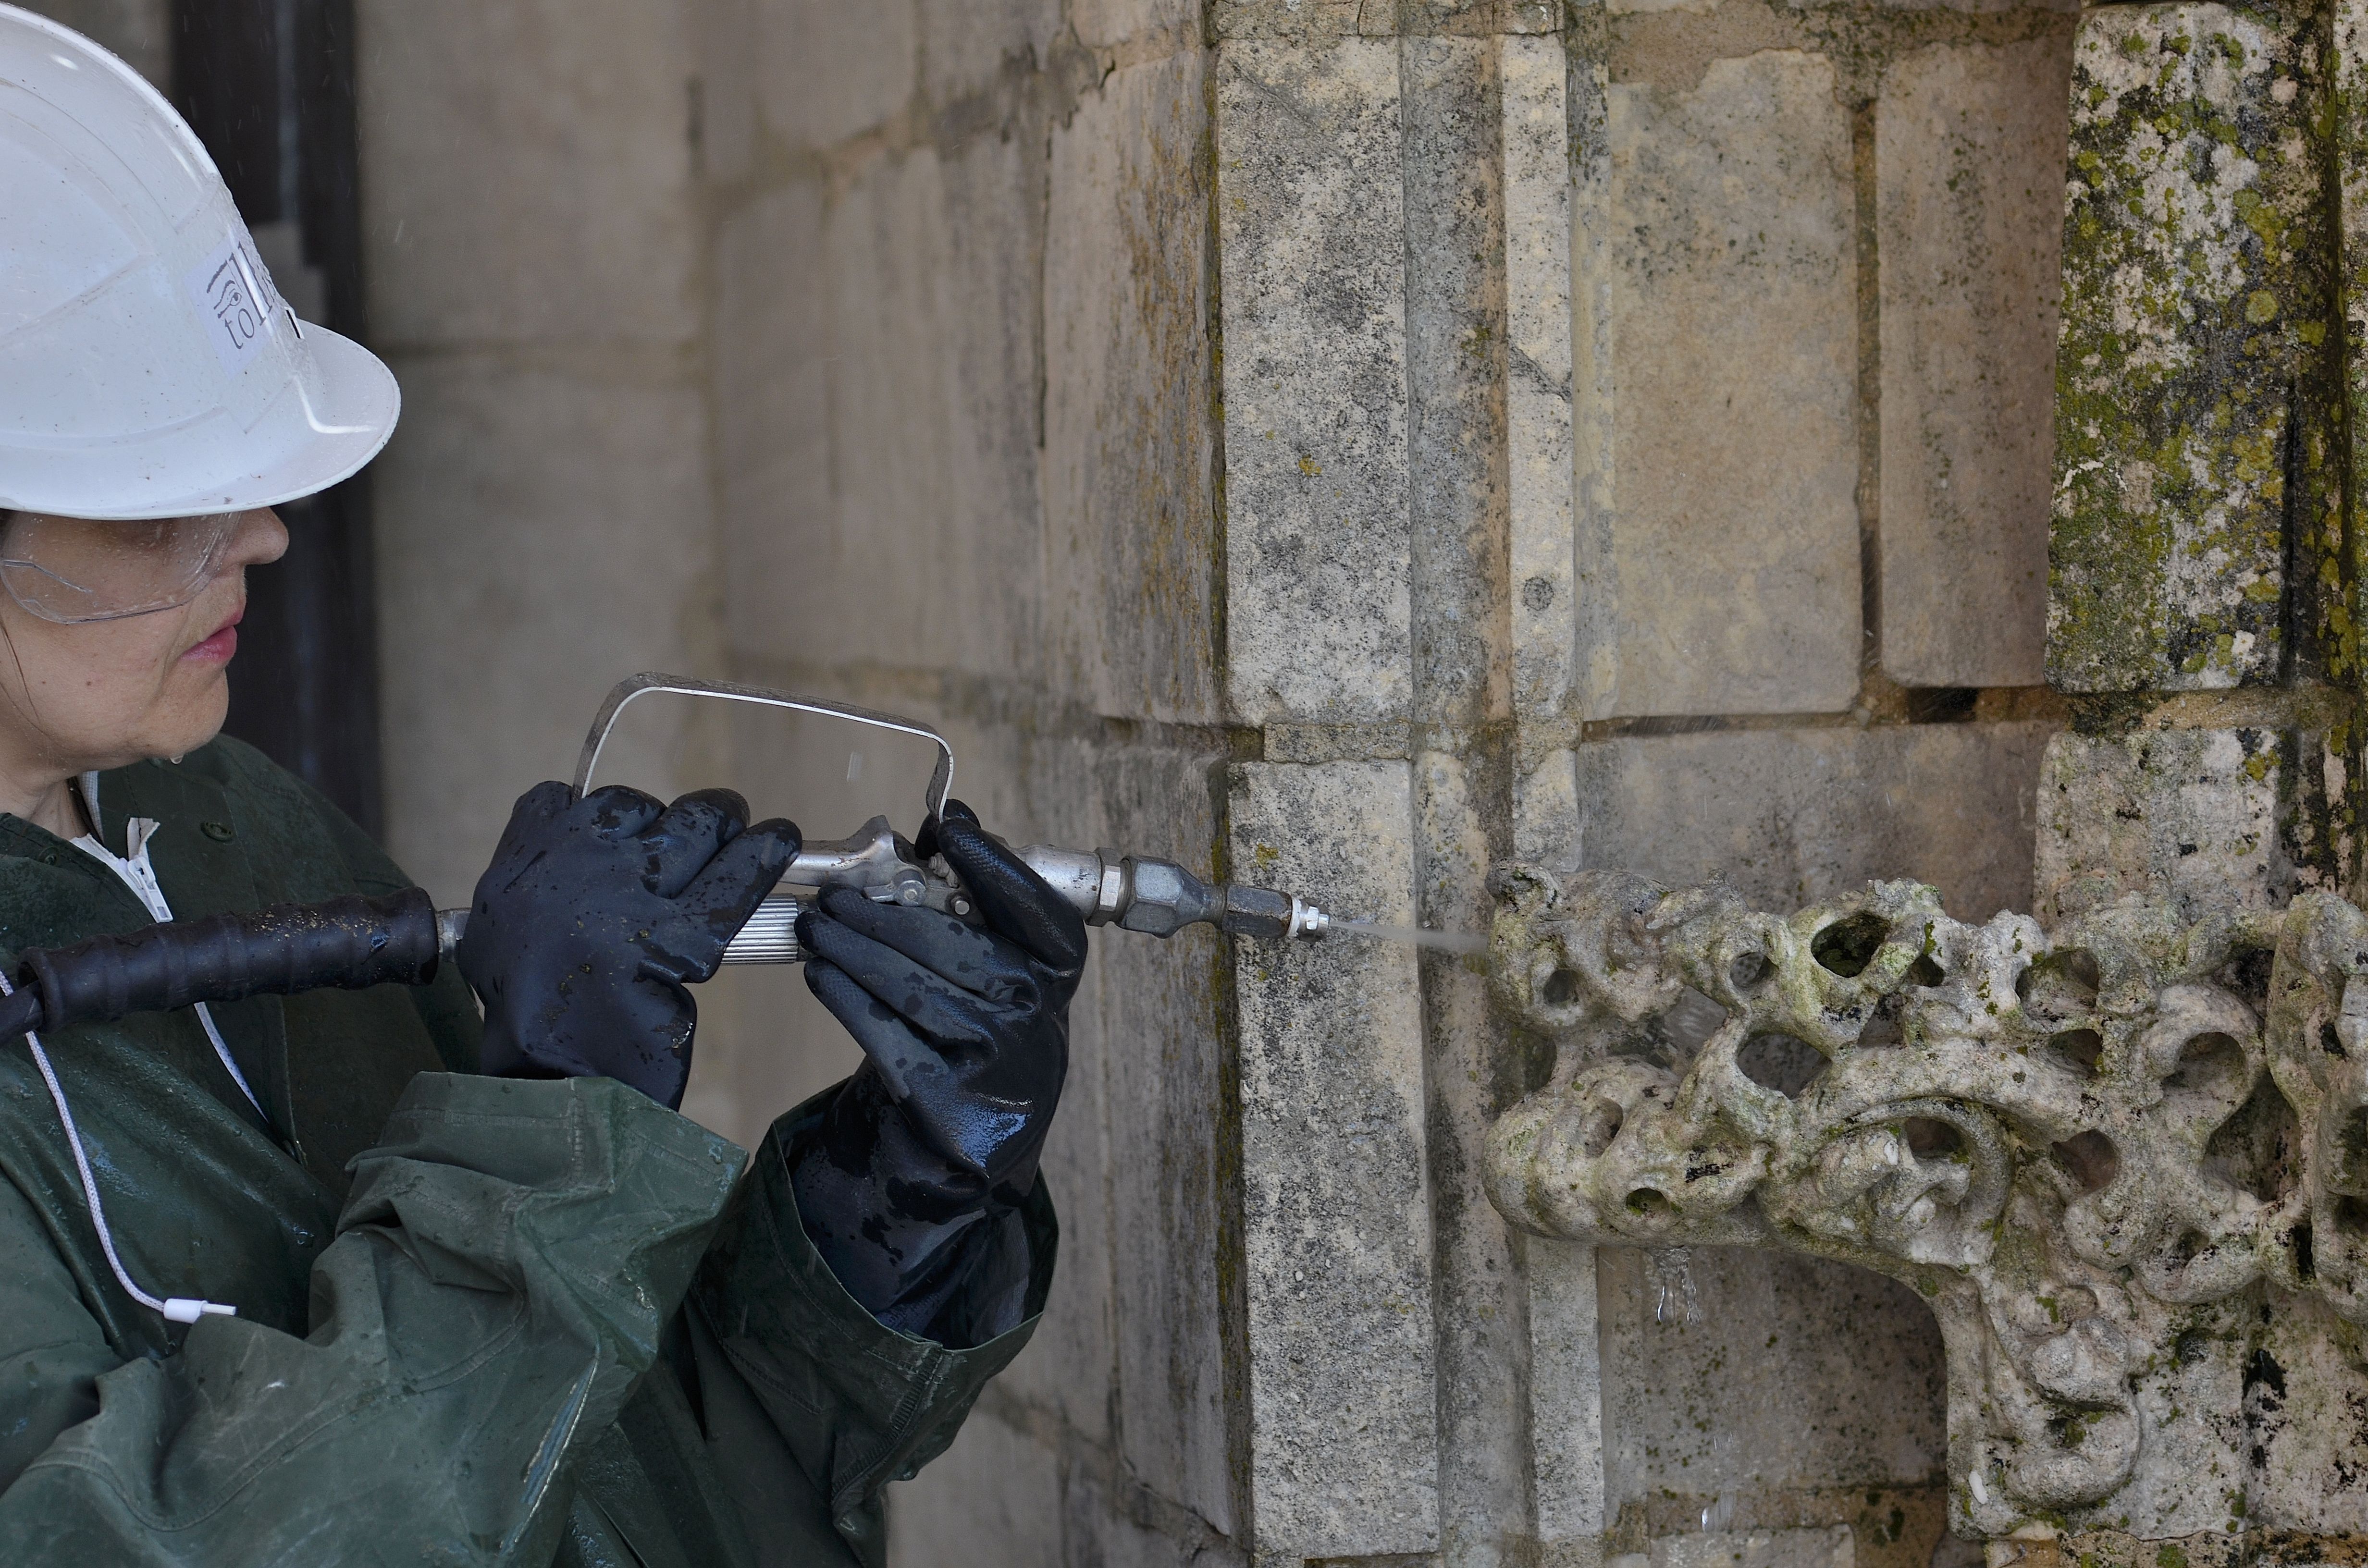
<point>2192,301</point>
<point>1450,90</point>
<point>526,172</point>
<point>1565,1391</point>
<point>1787,815</point>
<point>1832,1546</point>
<point>1310,221</point>
<point>990,1500</point>
<point>879,342</point>
<point>773,422</point>
<point>2204,818</point>
<point>1728,1371</point>
<point>1539,453</point>
<point>1969,151</point>
<point>490,675</point>
<point>1732,567</point>
<point>966,45</point>
<point>1476,1070</point>
<point>1336,1248</point>
<point>1316,21</point>
<point>1130,618</point>
<point>1163,1030</point>
<point>138,31</point>
<point>827,73</point>
<point>1100,24</point>
<point>2348,106</point>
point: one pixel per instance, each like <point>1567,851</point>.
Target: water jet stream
<point>1445,941</point>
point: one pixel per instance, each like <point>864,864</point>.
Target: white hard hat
<point>148,367</point>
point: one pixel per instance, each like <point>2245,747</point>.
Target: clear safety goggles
<point>72,570</point>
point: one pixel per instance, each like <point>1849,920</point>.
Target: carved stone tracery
<point>2101,1153</point>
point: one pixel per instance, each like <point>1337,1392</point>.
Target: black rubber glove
<point>910,1185</point>
<point>597,914</point>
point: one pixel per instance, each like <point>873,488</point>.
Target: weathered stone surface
<point>2205,818</point>
<point>2193,303</point>
<point>967,45</point>
<point>1131,624</point>
<point>1731,1373</point>
<point>1790,815</point>
<point>490,675</point>
<point>1313,241</point>
<point>1733,560</point>
<point>992,1500</point>
<point>1163,1027</point>
<point>1969,151</point>
<point>1457,371</point>
<point>1833,1547</point>
<point>1566,1392</point>
<point>1100,24</point>
<point>2340,612</point>
<point>827,73</point>
<point>526,174</point>
<point>1542,564</point>
<point>916,316</point>
<point>2109,1157</point>
<point>1336,1250</point>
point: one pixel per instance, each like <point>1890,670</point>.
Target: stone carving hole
<point>2076,1051</point>
<point>1561,989</point>
<point>2091,1158</point>
<point>1930,1138</point>
<point>2060,985</point>
<point>1847,947</point>
<point>1781,1063</point>
<point>1604,1118</point>
<point>1749,971</point>
<point>2254,1150</point>
<point>2211,1065</point>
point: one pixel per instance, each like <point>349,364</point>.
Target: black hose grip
<point>344,942</point>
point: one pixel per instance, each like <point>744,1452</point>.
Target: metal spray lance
<point>353,943</point>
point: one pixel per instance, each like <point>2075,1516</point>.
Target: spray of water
<point>1445,941</point>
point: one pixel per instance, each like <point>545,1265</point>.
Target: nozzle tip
<point>1308,923</point>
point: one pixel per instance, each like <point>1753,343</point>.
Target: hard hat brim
<point>324,437</point>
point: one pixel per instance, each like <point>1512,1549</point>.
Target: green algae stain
<point>2193,284</point>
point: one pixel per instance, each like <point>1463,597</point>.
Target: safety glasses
<point>72,570</point>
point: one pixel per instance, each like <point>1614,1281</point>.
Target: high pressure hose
<point>350,943</point>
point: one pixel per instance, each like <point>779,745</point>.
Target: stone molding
<point>2126,1161</point>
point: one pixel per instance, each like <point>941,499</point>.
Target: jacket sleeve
<point>812,1406</point>
<point>503,1270</point>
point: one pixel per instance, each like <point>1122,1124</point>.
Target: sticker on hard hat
<point>234,293</point>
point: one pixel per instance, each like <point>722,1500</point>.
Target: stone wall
<point>1337,443</point>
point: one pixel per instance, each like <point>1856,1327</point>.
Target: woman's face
<point>100,694</point>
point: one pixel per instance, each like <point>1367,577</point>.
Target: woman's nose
<point>261,539</point>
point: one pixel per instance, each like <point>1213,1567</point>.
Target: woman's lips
<point>218,648</point>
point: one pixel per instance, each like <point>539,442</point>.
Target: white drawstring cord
<point>179,1308</point>
<point>140,876</point>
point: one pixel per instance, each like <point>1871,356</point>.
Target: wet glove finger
<point>949,1017</point>
<point>896,1054</point>
<point>1016,901</point>
<point>686,943</point>
<point>614,811</point>
<point>977,1133</point>
<point>687,836</point>
<point>979,961</point>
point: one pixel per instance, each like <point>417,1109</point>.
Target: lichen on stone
<point>2192,359</point>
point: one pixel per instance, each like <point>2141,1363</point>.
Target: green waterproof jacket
<point>479,1321</point>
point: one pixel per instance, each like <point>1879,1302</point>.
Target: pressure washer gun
<point>353,943</point>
